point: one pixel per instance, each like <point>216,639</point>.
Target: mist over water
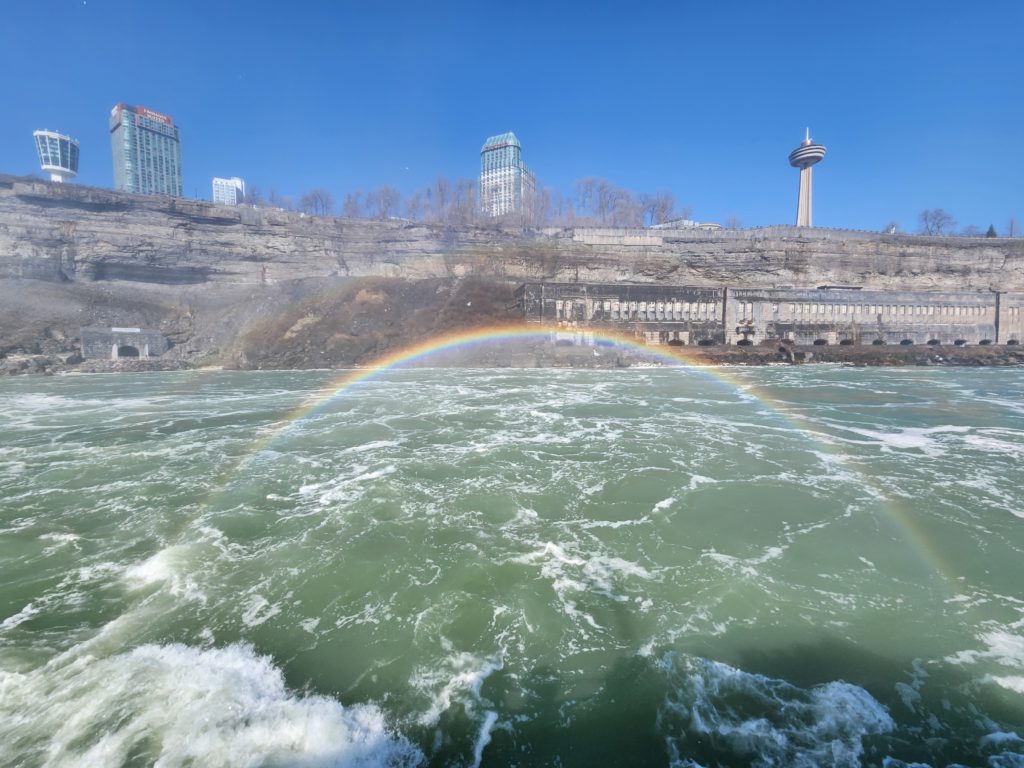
<point>805,566</point>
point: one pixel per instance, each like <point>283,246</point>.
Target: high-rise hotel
<point>228,191</point>
<point>147,152</point>
<point>506,184</point>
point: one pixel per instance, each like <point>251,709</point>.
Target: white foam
<point>461,681</point>
<point>1000,737</point>
<point>910,438</point>
<point>175,705</point>
<point>573,574</point>
<point>344,489</point>
<point>60,541</point>
<point>258,610</point>
<point>484,737</point>
<point>1009,682</point>
<point>992,445</point>
<point>746,566</point>
<point>697,480</point>
<point>20,617</point>
<point>780,723</point>
<point>171,567</point>
<point>664,504</point>
<point>1004,648</point>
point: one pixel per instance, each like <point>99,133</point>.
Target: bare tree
<point>276,200</point>
<point>317,202</point>
<point>603,202</point>
<point>543,206</point>
<point>935,222</point>
<point>607,197</point>
<point>325,201</point>
<point>383,201</point>
<point>971,231</point>
<point>645,201</point>
<point>732,221</point>
<point>892,227</point>
<point>586,194</point>
<point>463,206</point>
<point>414,205</point>
<point>626,210</point>
<point>352,205</point>
<point>1012,229</point>
<point>664,208</point>
<point>253,195</point>
<point>440,198</point>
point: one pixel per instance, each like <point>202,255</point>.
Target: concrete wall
<point>103,343</point>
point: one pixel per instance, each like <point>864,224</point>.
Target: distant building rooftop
<point>501,140</point>
<point>687,224</point>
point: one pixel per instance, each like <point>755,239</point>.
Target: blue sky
<point>921,104</point>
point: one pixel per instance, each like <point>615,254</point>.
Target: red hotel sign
<point>143,112</point>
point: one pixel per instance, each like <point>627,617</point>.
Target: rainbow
<point>917,538</point>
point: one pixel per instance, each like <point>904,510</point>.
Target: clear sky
<point>921,104</point>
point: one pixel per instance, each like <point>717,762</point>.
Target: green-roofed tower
<point>506,184</point>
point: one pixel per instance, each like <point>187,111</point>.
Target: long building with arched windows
<point>687,315</point>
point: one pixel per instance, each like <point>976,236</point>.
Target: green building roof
<point>502,139</point>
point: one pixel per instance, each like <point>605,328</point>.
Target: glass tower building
<point>58,154</point>
<point>506,184</point>
<point>147,152</point>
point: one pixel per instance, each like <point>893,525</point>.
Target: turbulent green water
<point>814,566</point>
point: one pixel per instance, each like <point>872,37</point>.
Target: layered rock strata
<point>214,278</point>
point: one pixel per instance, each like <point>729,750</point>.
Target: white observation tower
<point>803,157</point>
<point>58,154</point>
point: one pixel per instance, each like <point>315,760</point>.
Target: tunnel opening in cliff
<point>127,350</point>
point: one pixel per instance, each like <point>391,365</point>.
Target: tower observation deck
<point>803,157</point>
<point>58,154</point>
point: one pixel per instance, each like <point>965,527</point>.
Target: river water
<point>777,566</point>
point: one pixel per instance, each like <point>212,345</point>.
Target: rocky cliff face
<point>209,275</point>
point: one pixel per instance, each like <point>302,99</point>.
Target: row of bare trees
<point>594,201</point>
<point>936,221</point>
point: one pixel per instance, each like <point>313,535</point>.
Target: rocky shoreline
<point>536,354</point>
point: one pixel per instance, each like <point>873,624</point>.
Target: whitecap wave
<point>176,705</point>
<point>736,714</point>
